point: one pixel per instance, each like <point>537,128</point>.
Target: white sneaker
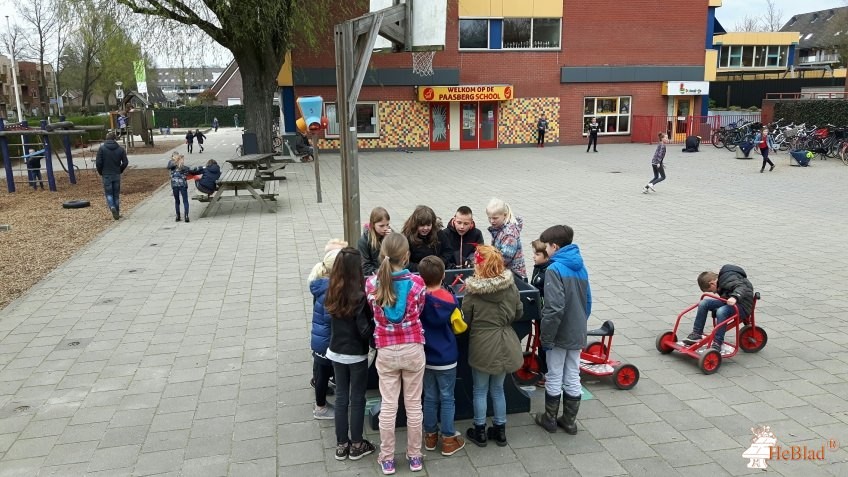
<point>645,190</point>
<point>325,413</point>
<point>651,186</point>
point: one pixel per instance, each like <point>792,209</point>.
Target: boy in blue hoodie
<point>567,305</point>
<point>440,317</point>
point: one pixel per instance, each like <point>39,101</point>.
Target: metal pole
<point>51,179</point>
<point>317,171</point>
<point>7,159</point>
<point>15,74</point>
<point>56,89</point>
<point>66,142</point>
<point>344,40</point>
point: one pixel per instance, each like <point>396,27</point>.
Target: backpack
<point>178,179</point>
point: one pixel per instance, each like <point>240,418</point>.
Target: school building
<point>506,63</point>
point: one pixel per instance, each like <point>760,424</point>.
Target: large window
<point>612,113</point>
<point>752,56</point>
<point>367,124</point>
<point>474,33</point>
<point>510,33</point>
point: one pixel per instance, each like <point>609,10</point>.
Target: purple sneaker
<point>415,463</point>
<point>388,466</point>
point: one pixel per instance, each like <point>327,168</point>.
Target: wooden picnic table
<point>252,161</point>
<point>234,180</point>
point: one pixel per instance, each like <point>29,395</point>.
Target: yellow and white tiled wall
<point>517,124</point>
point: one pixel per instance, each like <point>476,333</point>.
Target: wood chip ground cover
<point>43,234</point>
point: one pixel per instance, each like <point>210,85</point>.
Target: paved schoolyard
<point>182,349</point>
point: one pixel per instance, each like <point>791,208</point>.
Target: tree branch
<point>188,16</point>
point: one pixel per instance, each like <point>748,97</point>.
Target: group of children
<point>191,136</point>
<point>181,174</point>
<point>372,297</point>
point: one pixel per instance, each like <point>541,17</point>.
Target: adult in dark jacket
<point>33,162</point>
<point>462,237</point>
<point>422,231</point>
<point>732,284</point>
<point>208,182</point>
<point>189,137</point>
<point>111,163</point>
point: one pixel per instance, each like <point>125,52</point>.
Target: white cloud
<point>734,11</point>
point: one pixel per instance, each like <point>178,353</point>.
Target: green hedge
<point>818,112</point>
<point>197,116</point>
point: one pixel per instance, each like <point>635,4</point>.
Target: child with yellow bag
<point>441,319</point>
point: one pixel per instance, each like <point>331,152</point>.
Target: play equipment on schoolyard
<point>39,140</point>
<point>750,338</point>
<point>595,359</point>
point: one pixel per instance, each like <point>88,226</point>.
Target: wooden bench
<point>234,180</point>
<point>268,172</point>
<point>270,190</point>
<point>295,157</point>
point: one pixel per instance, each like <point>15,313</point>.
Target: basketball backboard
<point>429,20</point>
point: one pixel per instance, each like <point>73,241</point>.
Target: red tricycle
<point>750,338</point>
<point>594,359</point>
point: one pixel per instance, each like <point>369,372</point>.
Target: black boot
<point>477,434</point>
<point>548,419</point>
<point>568,420</point>
<point>497,433</point>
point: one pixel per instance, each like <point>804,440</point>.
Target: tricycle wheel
<point>625,376</point>
<point>752,339</point>
<point>710,361</point>
<point>596,348</point>
<point>665,341</point>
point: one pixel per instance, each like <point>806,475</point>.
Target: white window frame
<point>618,114</point>
<point>332,106</point>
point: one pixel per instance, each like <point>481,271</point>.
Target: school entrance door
<point>439,126</point>
<point>682,118</point>
<point>479,125</point>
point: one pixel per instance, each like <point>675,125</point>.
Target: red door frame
<point>444,144</point>
<point>472,142</point>
<point>483,123</point>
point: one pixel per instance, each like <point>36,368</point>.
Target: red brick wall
<point>598,33</point>
<point>233,89</point>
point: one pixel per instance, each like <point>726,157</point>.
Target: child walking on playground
<point>657,164</point>
<point>441,319</point>
<point>490,306</point>
<point>179,184</point>
<point>352,327</point>
<point>506,235</point>
<point>567,305</point>
<point>397,297</point>
<point>322,367</point>
<point>372,238</point>
<point>189,137</point>
<point>200,138</point>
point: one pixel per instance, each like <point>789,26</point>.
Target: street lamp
<point>119,93</point>
<point>14,72</point>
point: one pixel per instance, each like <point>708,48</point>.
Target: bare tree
<point>748,23</point>
<point>64,25</point>
<point>41,19</point>
<point>772,19</point>
<point>257,32</point>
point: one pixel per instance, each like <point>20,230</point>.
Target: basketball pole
<point>354,43</point>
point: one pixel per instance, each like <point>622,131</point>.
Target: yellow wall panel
<point>547,8</point>
<point>757,38</point>
<point>284,77</point>
<point>517,8</point>
<point>710,65</point>
<point>715,3</point>
<point>496,7</point>
<point>474,8</point>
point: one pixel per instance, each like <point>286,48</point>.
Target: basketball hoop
<point>422,62</point>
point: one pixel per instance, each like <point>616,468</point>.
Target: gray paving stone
<point>255,449</point>
<point>681,454</point>
<point>299,453</point>
<point>648,467</point>
<point>29,448</point>
<point>214,466</point>
<point>124,436</point>
<point>596,464</point>
<point>114,457</point>
<point>159,462</point>
<point>74,453</point>
<point>207,447</point>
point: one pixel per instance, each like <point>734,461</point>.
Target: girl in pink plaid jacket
<point>397,298</point>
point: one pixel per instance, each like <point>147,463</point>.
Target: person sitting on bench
<point>208,182</point>
<point>303,148</point>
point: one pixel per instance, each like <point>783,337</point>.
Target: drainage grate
<point>21,409</point>
<point>615,172</point>
<point>14,409</point>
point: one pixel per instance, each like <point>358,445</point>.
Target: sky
<point>732,12</point>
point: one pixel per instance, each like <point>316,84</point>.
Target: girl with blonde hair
<point>369,243</point>
<point>491,304</point>
<point>179,183</point>
<point>397,298</point>
<point>505,228</point>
